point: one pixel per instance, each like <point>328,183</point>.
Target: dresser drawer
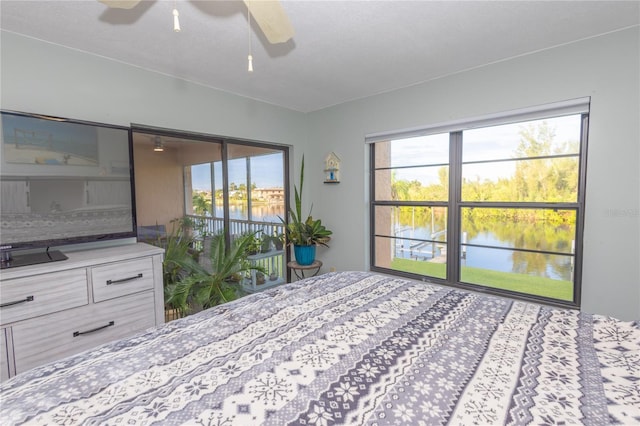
<point>36,295</point>
<point>119,279</point>
<point>56,336</point>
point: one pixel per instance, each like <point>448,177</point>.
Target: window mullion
<point>455,196</point>
<point>372,205</point>
<point>582,176</point>
<point>248,180</point>
<point>520,205</point>
<point>411,203</point>
<point>225,193</point>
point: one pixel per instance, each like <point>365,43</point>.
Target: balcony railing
<point>272,262</point>
<point>205,225</point>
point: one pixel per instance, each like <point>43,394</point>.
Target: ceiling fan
<point>268,14</point>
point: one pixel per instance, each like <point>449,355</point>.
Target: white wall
<point>605,68</point>
<point>42,78</point>
<point>48,79</point>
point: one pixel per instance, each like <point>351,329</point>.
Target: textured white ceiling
<point>342,50</point>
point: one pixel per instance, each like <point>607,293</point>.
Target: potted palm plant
<point>215,281</point>
<point>305,234</point>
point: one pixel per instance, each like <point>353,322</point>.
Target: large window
<point>494,203</point>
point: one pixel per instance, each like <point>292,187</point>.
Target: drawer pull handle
<point>124,280</point>
<point>80,333</point>
<point>17,302</point>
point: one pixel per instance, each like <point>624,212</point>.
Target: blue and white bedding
<point>349,348</point>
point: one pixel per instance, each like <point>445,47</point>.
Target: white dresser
<point>53,310</point>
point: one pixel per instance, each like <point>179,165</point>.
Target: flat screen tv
<point>63,182</point>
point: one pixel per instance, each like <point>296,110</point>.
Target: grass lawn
<point>539,286</point>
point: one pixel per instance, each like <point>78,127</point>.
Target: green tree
<point>201,203</point>
<point>553,179</point>
<point>217,281</point>
<point>546,179</point>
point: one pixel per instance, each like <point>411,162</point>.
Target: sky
<point>266,172</point>
<point>488,143</point>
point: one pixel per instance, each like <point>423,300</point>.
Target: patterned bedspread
<point>349,348</point>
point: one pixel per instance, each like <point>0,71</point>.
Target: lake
<point>499,255</point>
<point>259,213</point>
<point>488,233</point>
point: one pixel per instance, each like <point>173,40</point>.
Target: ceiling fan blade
<point>120,4</point>
<point>272,19</point>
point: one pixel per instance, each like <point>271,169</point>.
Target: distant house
<point>272,195</point>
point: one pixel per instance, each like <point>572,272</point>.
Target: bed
<point>349,348</point>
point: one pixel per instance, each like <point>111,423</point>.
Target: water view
<point>501,243</point>
<point>259,213</point>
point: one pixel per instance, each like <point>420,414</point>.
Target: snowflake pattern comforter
<point>349,348</point>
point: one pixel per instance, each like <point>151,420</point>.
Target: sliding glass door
<point>210,186</point>
<point>243,190</point>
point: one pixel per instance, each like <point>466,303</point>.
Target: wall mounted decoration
<point>332,168</point>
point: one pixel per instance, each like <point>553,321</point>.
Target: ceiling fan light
<point>249,57</point>
<point>158,147</point>
<point>176,20</point>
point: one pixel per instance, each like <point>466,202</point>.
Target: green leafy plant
<point>304,231</point>
<point>278,241</point>
<point>196,227</point>
<point>254,244</point>
<point>206,288</point>
<point>179,262</point>
<point>265,242</point>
